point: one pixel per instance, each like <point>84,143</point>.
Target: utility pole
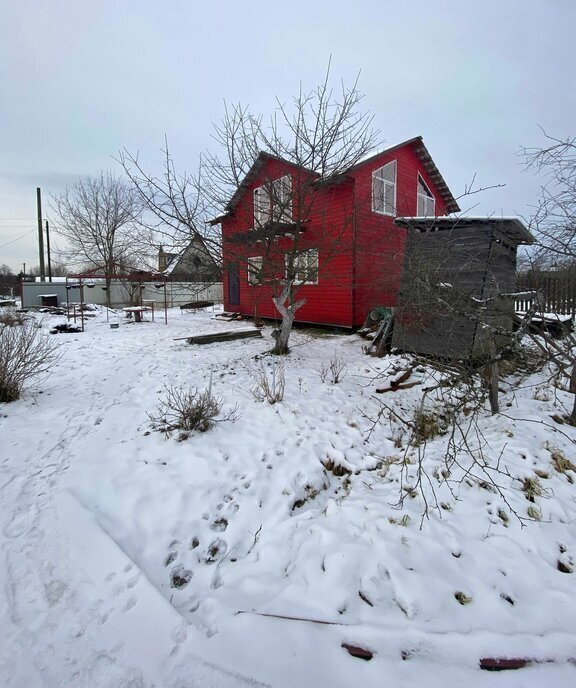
<point>48,252</point>
<point>40,234</point>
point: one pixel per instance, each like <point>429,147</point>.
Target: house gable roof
<point>416,143</point>
<point>251,176</point>
<point>174,260</point>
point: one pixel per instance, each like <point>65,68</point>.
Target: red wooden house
<point>350,252</point>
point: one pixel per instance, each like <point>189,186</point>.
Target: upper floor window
<point>426,204</point>
<point>273,201</point>
<point>384,189</point>
<point>255,270</point>
<point>261,205</point>
<point>304,267</point>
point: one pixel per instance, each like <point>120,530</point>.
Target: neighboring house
<point>193,263</point>
<point>350,251</point>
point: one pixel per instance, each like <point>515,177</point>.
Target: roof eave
<point>514,227</point>
<point>429,165</point>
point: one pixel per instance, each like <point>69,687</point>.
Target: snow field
<point>129,555</point>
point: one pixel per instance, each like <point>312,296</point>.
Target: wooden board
<point>196,304</point>
<point>223,336</point>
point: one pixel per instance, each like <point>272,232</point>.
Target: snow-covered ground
<point>247,555</point>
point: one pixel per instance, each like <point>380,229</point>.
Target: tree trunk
<point>288,313</point>
<point>492,377</point>
<point>572,416</point>
<point>493,388</point>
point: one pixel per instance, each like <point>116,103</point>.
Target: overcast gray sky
<point>80,80</point>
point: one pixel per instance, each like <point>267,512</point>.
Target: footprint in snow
<point>19,523</point>
<point>220,525</point>
<point>130,603</point>
<point>180,577</point>
<point>216,550</point>
<point>54,592</point>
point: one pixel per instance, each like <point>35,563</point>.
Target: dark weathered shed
<point>457,272</point>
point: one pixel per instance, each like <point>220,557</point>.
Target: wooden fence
<point>558,291</point>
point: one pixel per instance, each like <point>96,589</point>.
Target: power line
<point>18,238</point>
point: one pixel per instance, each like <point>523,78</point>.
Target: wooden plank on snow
<point>222,336</point>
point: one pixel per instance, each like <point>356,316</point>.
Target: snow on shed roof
<point>512,227</point>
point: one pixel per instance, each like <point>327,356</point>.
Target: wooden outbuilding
<point>456,291</point>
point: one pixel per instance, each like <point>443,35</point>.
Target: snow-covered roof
<point>513,227</point>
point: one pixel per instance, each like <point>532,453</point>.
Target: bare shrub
<point>25,353</point>
<point>426,425</point>
<point>187,410</point>
<point>334,371</point>
<point>11,317</point>
<point>270,390</point>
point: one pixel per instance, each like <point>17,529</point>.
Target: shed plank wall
<point>476,266</point>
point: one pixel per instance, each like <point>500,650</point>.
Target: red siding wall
<point>329,229</point>
<point>379,243</point>
<point>360,252</point>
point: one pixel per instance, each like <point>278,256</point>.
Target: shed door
<point>233,285</point>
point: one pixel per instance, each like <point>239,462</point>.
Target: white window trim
<point>282,211</point>
<point>385,182</point>
<point>251,277</point>
<point>260,212</point>
<point>300,255</point>
<point>273,191</point>
<point>427,199</point>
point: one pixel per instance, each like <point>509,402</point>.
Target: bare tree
<point>176,207</point>
<point>554,224</point>
<point>7,278</point>
<point>59,269</point>
<point>98,217</point>
<point>554,218</point>
<point>319,135</point>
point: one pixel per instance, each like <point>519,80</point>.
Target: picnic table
<point>137,311</point>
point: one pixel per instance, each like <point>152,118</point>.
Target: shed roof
<point>511,227</point>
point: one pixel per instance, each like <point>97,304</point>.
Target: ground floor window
<point>305,266</point>
<point>255,270</point>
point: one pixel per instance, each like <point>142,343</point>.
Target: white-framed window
<point>426,204</point>
<point>384,189</point>
<point>273,201</point>
<point>255,265</point>
<point>305,267</point>
<point>282,198</point>
<point>261,205</point>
